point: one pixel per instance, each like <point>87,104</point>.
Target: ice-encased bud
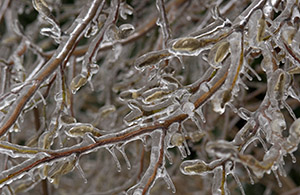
<point>177,139</point>
<point>106,110</point>
<point>253,26</point>
<point>288,34</point>
<point>111,34</point>
<point>125,30</point>
<point>134,116</point>
<point>67,119</point>
<point>186,44</point>
<point>221,148</point>
<point>62,169</point>
<point>188,108</point>
<point>92,30</point>
<point>155,96</point>
<point>261,29</point>
<point>194,167</point>
<point>82,129</point>
<point>77,82</point>
<point>196,136</point>
<point>218,53</point>
<point>129,94</point>
<point>220,99</point>
<point>151,58</point>
<point>278,85</point>
<point>278,124</point>
<point>295,129</point>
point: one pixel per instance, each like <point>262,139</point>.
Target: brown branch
<point>158,163</point>
<point>140,32</point>
<point>118,137</point>
<point>61,53</point>
<point>4,7</point>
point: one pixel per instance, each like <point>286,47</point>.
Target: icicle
<point>144,141</point>
<point>122,151</point>
<point>236,89</point>
<point>168,180</point>
<point>294,160</point>
<point>263,143</point>
<point>200,113</point>
<point>247,75</point>
<point>230,169</point>
<point>249,175</point>
<point>91,84</point>
<point>290,110</point>
<point>182,152</point>
<point>112,152</point>
<point>281,170</point>
<point>42,97</point>
<point>81,172</point>
<point>253,72</point>
<point>31,175</point>
<point>217,181</point>
<point>180,61</point>
<point>197,123</point>
<point>186,147</point>
<point>233,108</point>
<point>277,178</point>
<point>35,103</point>
<point>169,157</point>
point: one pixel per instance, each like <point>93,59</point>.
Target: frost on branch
<point>149,97</point>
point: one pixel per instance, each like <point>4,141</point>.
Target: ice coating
<point>168,80</point>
